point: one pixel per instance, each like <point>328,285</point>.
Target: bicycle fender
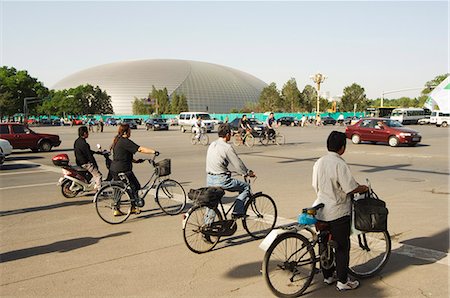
<point>257,194</point>
<point>270,238</point>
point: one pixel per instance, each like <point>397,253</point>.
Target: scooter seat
<point>78,168</point>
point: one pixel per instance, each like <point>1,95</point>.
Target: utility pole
<point>318,78</point>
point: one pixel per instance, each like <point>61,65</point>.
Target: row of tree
<point>158,102</point>
<point>291,99</point>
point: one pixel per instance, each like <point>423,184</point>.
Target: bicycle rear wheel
<point>204,139</point>
<point>249,140</point>
<point>369,253</point>
<point>237,139</point>
<point>289,265</point>
<point>279,140</point>
<point>196,226</point>
<point>170,196</point>
<point>113,204</point>
<point>261,215</point>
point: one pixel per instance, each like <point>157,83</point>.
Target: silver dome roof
<point>207,86</point>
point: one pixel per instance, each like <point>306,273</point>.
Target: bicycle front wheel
<point>369,252</point>
<point>260,216</point>
<point>289,265</point>
<point>113,204</point>
<point>194,139</point>
<point>170,196</point>
<point>279,140</point>
<point>197,228</point>
<point>204,139</point>
<point>249,140</point>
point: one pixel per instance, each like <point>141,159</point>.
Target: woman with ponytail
<point>123,150</point>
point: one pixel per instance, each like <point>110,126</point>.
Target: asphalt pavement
<point>58,247</point>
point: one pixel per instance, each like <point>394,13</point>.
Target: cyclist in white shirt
<point>198,126</point>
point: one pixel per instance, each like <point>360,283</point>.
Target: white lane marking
<point>23,172</point>
<point>29,185</point>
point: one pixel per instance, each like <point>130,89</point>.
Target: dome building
<point>207,87</point>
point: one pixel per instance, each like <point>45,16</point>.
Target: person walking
<point>220,154</point>
<point>334,185</point>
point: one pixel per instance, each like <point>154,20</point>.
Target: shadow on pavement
<point>46,207</point>
<point>59,246</point>
<point>9,167</point>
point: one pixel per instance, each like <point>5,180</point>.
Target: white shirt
<point>219,155</point>
<point>332,181</point>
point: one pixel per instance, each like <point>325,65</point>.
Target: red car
<point>77,122</point>
<point>382,130</point>
<point>22,137</point>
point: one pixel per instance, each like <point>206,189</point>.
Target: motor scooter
<point>76,180</point>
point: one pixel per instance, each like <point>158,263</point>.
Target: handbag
<point>206,196</point>
<point>370,213</point>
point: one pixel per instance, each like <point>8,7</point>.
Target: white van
<point>186,120</point>
<point>440,118</point>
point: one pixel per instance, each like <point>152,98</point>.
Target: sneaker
<point>117,212</point>
<point>349,285</point>
<point>135,210</point>
<point>330,280</point>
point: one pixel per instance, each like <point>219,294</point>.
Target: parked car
<point>350,120</point>
<point>382,130</point>
<point>216,121</point>
<point>425,120</point>
<point>288,121</point>
<point>5,150</point>
<point>130,122</point>
<point>138,121</point>
<point>156,124</point>
<point>111,121</point>
<point>172,121</point>
<point>327,120</point>
<point>255,124</point>
<point>46,122</point>
<point>77,122</point>
<point>22,137</point>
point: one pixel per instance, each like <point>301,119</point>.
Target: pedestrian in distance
<point>334,185</point>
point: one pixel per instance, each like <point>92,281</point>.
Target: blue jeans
<point>227,183</point>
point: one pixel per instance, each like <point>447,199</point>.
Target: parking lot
<point>53,246</point>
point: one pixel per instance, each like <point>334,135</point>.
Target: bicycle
<point>204,224</point>
<point>275,138</point>
<point>117,195</point>
<point>240,138</point>
<point>202,138</point>
<point>290,261</point>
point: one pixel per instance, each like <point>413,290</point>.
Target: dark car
<point>156,124</point>
<point>255,124</point>
<point>288,121</point>
<point>138,121</point>
<point>328,120</point>
<point>382,130</point>
<point>111,121</point>
<point>22,137</point>
<point>46,122</point>
<point>130,122</point>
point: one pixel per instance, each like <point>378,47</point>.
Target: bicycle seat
<point>313,210</point>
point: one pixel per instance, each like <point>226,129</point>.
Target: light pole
<point>318,78</point>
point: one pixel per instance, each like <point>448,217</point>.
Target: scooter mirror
<point>99,146</point>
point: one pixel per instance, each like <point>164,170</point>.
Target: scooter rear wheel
<point>66,191</point>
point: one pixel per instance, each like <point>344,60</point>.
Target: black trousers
<point>340,232</point>
<point>134,182</point>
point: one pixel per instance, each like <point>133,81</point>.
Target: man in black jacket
<point>84,156</point>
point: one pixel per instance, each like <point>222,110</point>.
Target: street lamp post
<point>318,78</point>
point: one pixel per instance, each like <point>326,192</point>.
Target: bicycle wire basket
<point>163,167</point>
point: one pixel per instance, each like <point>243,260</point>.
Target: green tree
<point>353,94</point>
<point>291,96</point>
<point>430,85</point>
<point>270,99</point>
<point>308,98</point>
<point>14,87</point>
<point>175,104</point>
<point>142,107</point>
<point>183,105</point>
<point>161,100</point>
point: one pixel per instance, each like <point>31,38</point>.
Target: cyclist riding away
<point>84,156</point>
<point>270,126</point>
<point>334,184</point>
<point>220,154</point>
<point>123,151</point>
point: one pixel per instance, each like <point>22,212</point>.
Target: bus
<point>409,115</point>
<point>379,112</point>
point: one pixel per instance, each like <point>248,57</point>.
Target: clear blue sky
<point>379,45</point>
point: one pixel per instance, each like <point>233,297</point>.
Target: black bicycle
<point>114,201</point>
<point>290,261</point>
<point>204,224</point>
